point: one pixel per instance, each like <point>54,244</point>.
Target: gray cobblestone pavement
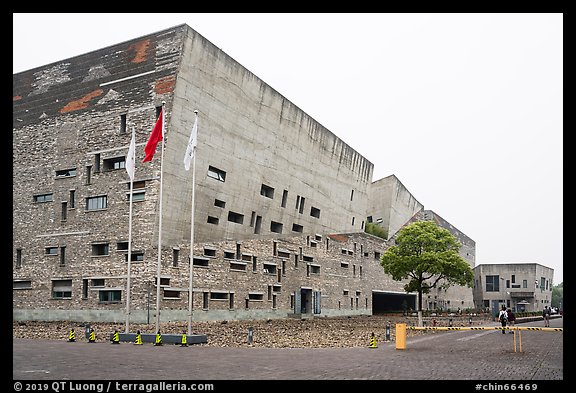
<point>477,355</point>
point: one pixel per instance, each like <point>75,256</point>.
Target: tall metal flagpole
<point>160,227</point>
<point>190,290</point>
<point>129,239</point>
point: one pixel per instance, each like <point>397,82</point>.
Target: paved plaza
<point>474,355</point>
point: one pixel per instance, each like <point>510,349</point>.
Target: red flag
<point>155,137</point>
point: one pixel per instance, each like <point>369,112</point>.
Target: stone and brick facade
<point>280,201</point>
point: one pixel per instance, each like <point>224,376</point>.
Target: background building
<point>265,172</point>
<point>521,286</point>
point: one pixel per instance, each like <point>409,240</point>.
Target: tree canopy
<point>426,255</point>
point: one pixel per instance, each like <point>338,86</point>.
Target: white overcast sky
<point>466,109</point>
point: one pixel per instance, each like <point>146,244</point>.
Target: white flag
<point>131,158</point>
<point>191,145</point>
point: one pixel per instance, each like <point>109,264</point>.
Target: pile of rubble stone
<point>317,332</point>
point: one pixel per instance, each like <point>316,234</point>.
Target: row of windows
<point>62,289</point>
<point>493,283</point>
<point>99,249</point>
<point>268,192</point>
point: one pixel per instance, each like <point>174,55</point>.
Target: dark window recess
<point>123,123</point>
<point>137,184</point>
<point>66,172</point>
<point>137,256</point>
<point>212,220</point>
<point>171,294</point>
<point>88,173</point>
<point>175,257</point>
<point>199,261</point>
<point>96,162</point>
<point>276,227</point>
<point>209,252</point>
<point>235,217</point>
<point>43,198</point>
<point>111,164</point>
<point>122,246</point>
<point>218,296</point>
<point>100,249</point>
<point>258,224</point>
<point>22,284</point>
<point>302,200</point>
<point>18,257</point>
<point>255,296</point>
<point>238,266</point>
<point>267,191</point>
<point>62,255</point>
<point>315,212</point>
<point>110,296</point>
<point>284,198</point>
<point>297,228</point>
<point>219,203</point>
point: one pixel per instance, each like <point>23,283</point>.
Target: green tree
<point>557,295</point>
<point>426,255</point>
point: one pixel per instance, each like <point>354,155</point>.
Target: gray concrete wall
<point>392,203</point>
<point>255,135</point>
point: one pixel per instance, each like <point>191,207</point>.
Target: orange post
<point>400,336</point>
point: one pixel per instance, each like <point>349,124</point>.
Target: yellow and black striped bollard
<point>372,341</point>
<point>158,341</point>
<point>138,340</point>
<point>92,336</point>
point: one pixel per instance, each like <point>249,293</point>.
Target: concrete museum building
<point>281,203</point>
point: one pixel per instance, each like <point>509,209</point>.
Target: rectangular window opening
<point>276,227</point>
<point>216,173</point>
<point>267,191</point>
<point>235,217</point>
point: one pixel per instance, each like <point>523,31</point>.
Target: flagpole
<point>129,244</point>
<point>160,229</point>
<point>190,290</point>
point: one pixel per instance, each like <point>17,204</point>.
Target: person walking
<point>503,318</point>
<point>546,315</point>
